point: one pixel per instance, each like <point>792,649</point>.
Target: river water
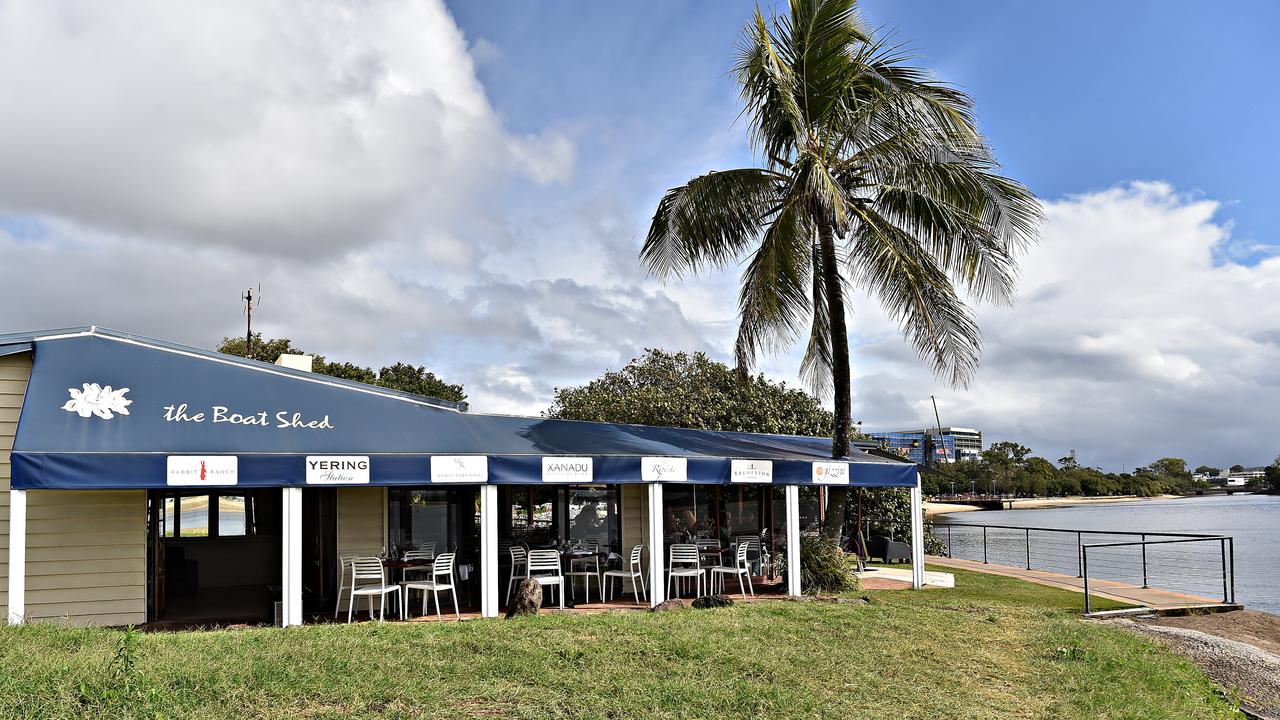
<point>1253,520</point>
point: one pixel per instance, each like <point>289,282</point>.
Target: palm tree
<point>874,178</point>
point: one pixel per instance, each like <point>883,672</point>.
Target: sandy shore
<point>938,508</point>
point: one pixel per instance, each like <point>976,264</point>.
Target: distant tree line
<point>401,376</point>
<point>1009,468</point>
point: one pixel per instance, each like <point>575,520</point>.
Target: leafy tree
<point>1237,468</point>
<point>1068,461</point>
<point>691,390</point>
<point>874,177</point>
<point>400,376</point>
<point>1206,470</point>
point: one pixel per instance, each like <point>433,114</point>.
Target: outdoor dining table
<point>463,571</point>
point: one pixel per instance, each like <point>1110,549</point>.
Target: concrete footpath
<point>1153,598</point>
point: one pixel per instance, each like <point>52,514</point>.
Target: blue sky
<point>1074,96</point>
<point>467,185</point>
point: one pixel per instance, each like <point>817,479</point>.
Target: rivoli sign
<point>459,469</point>
<point>831,473</point>
<point>200,470</point>
<point>751,471</point>
<point>337,469</point>
<point>566,469</point>
<point>664,469</point>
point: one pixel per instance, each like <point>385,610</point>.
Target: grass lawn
<point>992,648</point>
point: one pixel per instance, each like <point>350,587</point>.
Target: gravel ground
<point>1254,672</point>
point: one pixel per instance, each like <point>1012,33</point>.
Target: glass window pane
<point>419,520</point>
<point>591,516</point>
<point>170,517</point>
<point>231,515</point>
<point>194,521</point>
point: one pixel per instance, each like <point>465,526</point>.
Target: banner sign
<point>337,469</point>
<point>751,471</point>
<point>831,473</point>
<point>664,469</point>
<point>459,469</point>
<point>566,469</point>
<point>201,470</point>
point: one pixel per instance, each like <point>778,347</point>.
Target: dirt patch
<point>1250,627</point>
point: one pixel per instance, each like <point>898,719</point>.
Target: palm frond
<point>773,303</point>
<point>710,221</point>
<point>915,292</point>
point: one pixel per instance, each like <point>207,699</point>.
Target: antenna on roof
<point>250,302</point>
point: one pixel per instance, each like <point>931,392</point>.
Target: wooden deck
<point>1154,598</point>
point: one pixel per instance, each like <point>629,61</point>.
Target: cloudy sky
<point>466,186</point>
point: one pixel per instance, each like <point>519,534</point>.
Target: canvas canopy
<point>107,410</point>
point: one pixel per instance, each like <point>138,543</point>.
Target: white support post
<point>291,556</point>
<point>17,556</point>
<point>657,583</point>
<point>917,535</point>
<point>489,551</point>
<point>792,493</point>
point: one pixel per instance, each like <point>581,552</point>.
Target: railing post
<point>1028,548</point>
<point>950,554</point>
<point>984,544</point>
<point>1084,572</point>
<point>1079,556</point>
<point>1231,542</point>
<point>1226,597</point>
<point>1144,561</point>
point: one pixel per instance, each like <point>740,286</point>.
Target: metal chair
<point>633,573</point>
<point>544,566</point>
<point>741,567</point>
<point>684,562</point>
<point>442,567</point>
<point>373,575</point>
<point>519,566</point>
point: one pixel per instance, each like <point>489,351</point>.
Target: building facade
<point>147,482</point>
<point>931,445</point>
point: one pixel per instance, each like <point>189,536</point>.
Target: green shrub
<point>824,567</point>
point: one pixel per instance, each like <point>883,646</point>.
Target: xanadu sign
<point>567,469</point>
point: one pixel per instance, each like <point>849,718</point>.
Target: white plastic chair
<point>442,567</point>
<point>755,551</point>
<point>632,573</point>
<point>519,567</point>
<point>544,566</point>
<point>369,578</point>
<point>684,563</point>
<point>586,568</point>
<point>709,549</point>
<point>741,567</point>
<point>344,566</point>
<point>421,555</point>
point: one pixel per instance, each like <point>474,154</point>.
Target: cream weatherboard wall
<point>362,524</point>
<point>14,371</point>
<point>86,550</point>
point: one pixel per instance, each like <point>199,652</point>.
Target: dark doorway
<point>214,555</point>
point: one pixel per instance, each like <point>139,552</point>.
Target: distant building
<point>1242,477</point>
<point>947,444</point>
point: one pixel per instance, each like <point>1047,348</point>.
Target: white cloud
<point>1133,339</point>
<point>274,127</point>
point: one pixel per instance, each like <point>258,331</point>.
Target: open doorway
<point>213,556</point>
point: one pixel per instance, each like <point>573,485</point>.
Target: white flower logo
<point>97,400</point>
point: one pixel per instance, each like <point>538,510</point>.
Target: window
<point>593,515</point>
<point>232,519</point>
<point>193,516</point>
<point>215,515</point>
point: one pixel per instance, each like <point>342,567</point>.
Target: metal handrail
<point>1228,553</point>
<point>1227,543</point>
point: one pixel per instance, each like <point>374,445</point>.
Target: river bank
<point>933,508</point>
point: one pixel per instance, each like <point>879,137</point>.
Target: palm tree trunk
<point>837,497</point>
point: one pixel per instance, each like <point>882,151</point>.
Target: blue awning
<point>110,410</point>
